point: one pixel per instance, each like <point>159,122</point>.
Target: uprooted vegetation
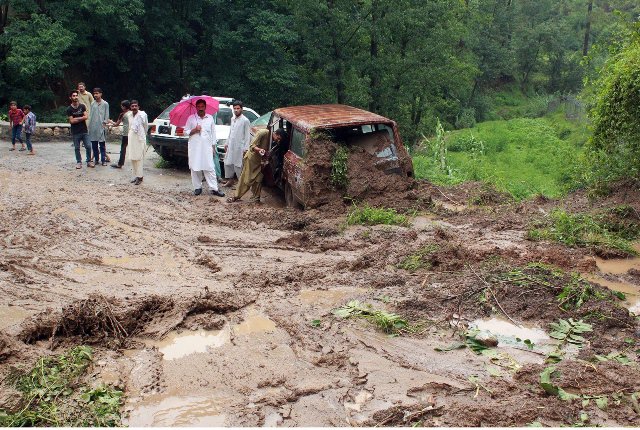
<point>57,392</point>
<point>608,234</point>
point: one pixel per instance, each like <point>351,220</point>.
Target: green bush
<point>367,215</point>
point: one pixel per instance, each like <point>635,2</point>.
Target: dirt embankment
<point>140,272</point>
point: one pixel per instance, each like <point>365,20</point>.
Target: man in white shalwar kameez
<point>137,140</point>
<point>201,130</point>
<point>237,144</point>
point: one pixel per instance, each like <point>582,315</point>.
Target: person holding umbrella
<point>200,127</point>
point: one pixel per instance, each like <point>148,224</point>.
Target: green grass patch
<point>367,215</point>
<point>419,259</point>
<point>583,230</point>
<point>386,321</point>
<point>54,394</point>
<point>523,157</point>
<point>339,167</point>
<point>163,164</point>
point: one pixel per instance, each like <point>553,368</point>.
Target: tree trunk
<point>587,30</point>
<point>374,104</point>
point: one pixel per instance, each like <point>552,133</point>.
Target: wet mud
<point>208,314</point>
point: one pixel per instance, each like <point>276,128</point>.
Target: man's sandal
<point>233,199</point>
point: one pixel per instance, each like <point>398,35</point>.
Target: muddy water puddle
<point>178,345</point>
<point>12,315</point>
<point>517,338</point>
<point>508,330</point>
<point>254,322</point>
<point>179,411</point>
<point>630,291</point>
<point>616,267</point>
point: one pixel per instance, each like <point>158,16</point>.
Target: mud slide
<point>208,314</point>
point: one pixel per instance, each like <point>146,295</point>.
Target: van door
<point>294,165</point>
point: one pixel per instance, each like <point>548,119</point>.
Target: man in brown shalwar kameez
<point>251,176</point>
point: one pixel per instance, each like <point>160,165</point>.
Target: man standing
<point>85,97</point>
<point>202,140</point>
<point>29,127</point>
<point>137,140</point>
<point>97,123</point>
<point>15,119</point>
<point>237,144</point>
<point>251,177</point>
<point>77,113</point>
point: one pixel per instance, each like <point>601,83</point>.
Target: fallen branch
<point>488,287</point>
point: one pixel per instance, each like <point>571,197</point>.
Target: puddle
<point>178,411</point>
<point>328,297</point>
<point>619,266</point>
<point>178,345</point>
<point>11,315</point>
<point>254,323</point>
<point>631,292</point>
<point>507,331</point>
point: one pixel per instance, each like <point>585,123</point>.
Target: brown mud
<point>208,314</point>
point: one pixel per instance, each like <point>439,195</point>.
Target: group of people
<point>89,118</point>
<point>244,158</point>
<point>20,119</point>
<point>88,115</point>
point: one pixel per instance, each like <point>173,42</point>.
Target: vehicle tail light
<point>152,129</point>
<point>179,131</point>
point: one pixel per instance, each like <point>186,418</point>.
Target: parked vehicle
<point>170,142</point>
<point>373,134</point>
<point>260,123</point>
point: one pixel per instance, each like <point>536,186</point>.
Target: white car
<point>170,142</point>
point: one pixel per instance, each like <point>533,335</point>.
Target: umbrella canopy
<point>187,107</point>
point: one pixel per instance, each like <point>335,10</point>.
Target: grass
<point>339,167</point>
<point>367,215</point>
<point>163,164</point>
<point>419,259</point>
<point>55,394</point>
<point>583,230</point>
<point>386,321</point>
<point>523,156</point>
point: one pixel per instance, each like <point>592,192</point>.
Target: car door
<point>294,164</point>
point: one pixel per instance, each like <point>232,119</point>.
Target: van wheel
<point>289,199</point>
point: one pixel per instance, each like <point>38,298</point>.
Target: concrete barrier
<point>56,131</point>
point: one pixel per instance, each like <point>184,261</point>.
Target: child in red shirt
<point>16,116</point>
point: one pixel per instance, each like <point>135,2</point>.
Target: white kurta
<point>238,141</point>
<point>137,136</point>
<point>201,144</point>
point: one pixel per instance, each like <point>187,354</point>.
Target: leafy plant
<point>386,321</point>
<point>163,164</point>
<point>339,167</point>
<point>367,215</point>
<point>576,293</point>
<point>54,395</point>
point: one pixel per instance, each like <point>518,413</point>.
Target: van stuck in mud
<point>331,147</point>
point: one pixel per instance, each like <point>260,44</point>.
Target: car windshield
<point>263,120</point>
<point>165,113</point>
<point>223,117</point>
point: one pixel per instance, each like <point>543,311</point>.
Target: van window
<point>297,143</point>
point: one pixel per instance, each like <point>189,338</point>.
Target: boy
<point>29,127</point>
<point>15,119</point>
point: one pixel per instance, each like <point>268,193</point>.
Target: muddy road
<point>211,314</point>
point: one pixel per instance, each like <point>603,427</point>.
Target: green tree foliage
<point>413,60</point>
<point>615,145</point>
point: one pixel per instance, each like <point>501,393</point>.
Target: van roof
<point>329,116</point>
